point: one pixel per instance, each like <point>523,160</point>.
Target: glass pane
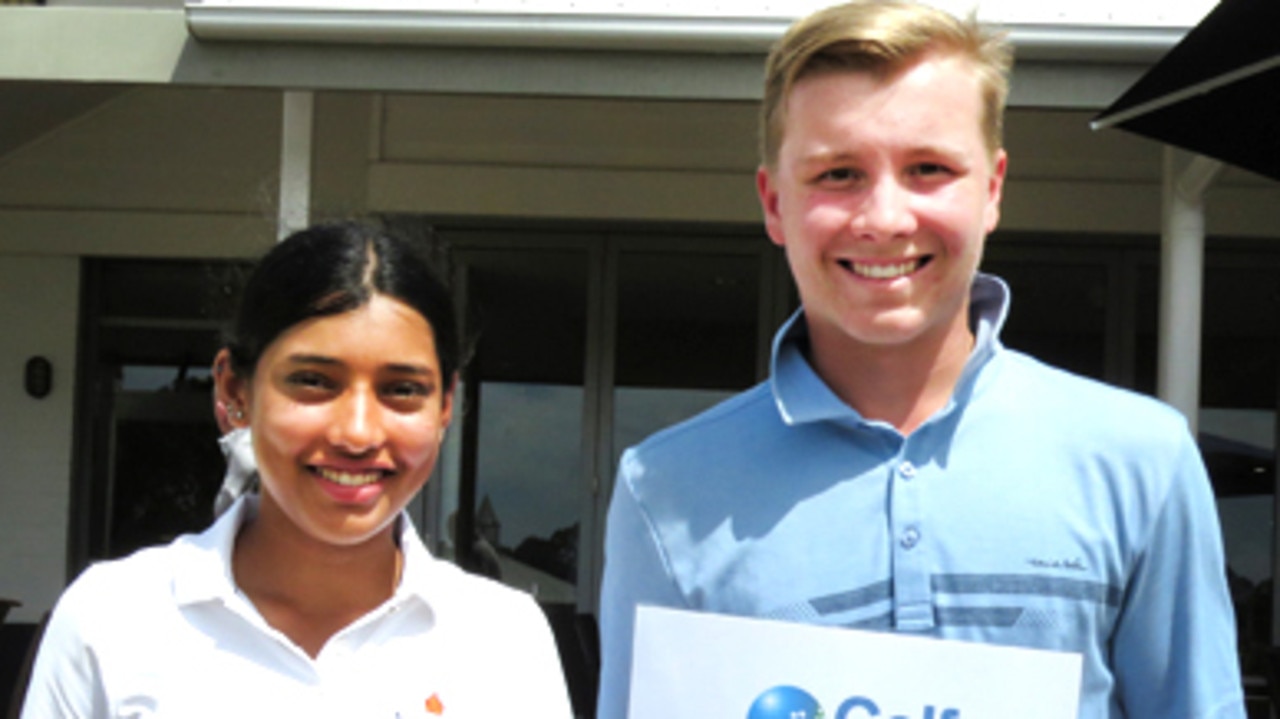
<point>1147,318</point>
<point>529,484</point>
<point>527,314</point>
<point>1058,313</point>
<point>686,337</point>
<point>167,469</point>
<point>170,289</point>
<point>1237,422</point>
<point>155,465</point>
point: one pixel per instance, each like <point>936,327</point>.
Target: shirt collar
<point>802,396</point>
<point>201,568</point>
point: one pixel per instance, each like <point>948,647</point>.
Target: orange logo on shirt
<point>435,706</point>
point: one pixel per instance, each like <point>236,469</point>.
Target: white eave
<point>623,32</point>
<point>634,55</point>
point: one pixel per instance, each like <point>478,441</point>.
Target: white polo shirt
<point>166,633</point>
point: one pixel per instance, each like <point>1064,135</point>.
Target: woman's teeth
<point>350,479</point>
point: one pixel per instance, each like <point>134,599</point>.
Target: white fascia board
<point>1089,13</point>
<point>1061,67</point>
<point>449,24</point>
<point>91,44</point>
<point>479,29</point>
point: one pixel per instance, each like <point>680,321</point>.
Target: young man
<point>901,470</point>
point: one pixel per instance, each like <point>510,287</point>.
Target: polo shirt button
<point>910,538</point>
<point>907,470</point>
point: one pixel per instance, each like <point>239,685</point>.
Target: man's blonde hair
<point>881,37</point>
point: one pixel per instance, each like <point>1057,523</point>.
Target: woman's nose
<point>357,426</point>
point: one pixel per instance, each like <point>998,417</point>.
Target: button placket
<point>913,591</point>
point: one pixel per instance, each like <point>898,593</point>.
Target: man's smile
<point>885,270</point>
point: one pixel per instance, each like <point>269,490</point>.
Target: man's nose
<point>886,211</point>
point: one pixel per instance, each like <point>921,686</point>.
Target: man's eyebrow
<point>829,155</point>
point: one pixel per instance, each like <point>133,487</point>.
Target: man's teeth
<point>350,479</point>
<point>885,272</point>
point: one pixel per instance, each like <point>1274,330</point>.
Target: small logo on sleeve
<point>1072,564</point>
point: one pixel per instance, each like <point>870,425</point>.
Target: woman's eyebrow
<point>409,368</point>
<point>313,359</point>
<point>327,361</point>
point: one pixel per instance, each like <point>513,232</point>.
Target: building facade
<point>586,176</point>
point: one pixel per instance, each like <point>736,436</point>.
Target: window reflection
<point>528,482</point>
<point>522,471</point>
<point>1237,431</point>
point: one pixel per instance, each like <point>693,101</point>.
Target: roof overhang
<point>597,55</point>
<point>685,33</point>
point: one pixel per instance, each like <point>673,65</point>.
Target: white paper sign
<point>693,665</point>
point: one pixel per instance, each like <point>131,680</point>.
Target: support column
<point>1186,177</point>
<point>295,162</point>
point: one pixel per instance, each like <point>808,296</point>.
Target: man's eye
<point>931,168</point>
<point>838,175</point>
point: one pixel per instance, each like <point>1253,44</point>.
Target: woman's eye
<point>309,380</point>
<point>407,389</point>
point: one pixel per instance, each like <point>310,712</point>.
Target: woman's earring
<point>237,414</point>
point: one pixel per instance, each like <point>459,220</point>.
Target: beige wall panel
<point>557,193</point>
<point>128,234</point>
<point>1085,207</point>
<point>1059,145</point>
<point>343,147</point>
<point>154,149</point>
<point>568,132</point>
<point>1252,211</point>
<point>1057,206</point>
<point>38,310</point>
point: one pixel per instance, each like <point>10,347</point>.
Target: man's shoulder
<point>1085,403</point>
<point>718,445</point>
<point>750,409</point>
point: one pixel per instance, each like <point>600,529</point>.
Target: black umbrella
<point>1217,92</point>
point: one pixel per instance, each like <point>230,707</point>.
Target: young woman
<point>314,596</point>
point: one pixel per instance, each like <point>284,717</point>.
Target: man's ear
<point>767,191</point>
<point>995,191</point>
<point>230,394</point>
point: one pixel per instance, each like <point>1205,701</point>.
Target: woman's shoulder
<point>111,602</point>
<point>461,598</point>
<point>136,584</point>
<point>477,590</point>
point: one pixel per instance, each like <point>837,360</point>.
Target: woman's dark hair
<point>331,268</point>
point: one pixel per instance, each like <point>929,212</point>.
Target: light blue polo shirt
<point>1036,509</point>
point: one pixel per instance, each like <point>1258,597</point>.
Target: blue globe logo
<point>785,702</point>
